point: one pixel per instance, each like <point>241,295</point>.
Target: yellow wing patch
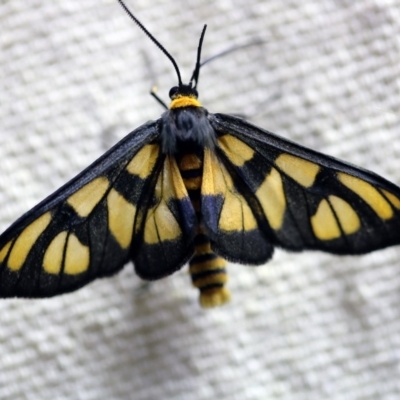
<point>211,184</point>
<point>53,257</point>
<point>368,193</point>
<point>4,251</point>
<point>302,171</point>
<point>121,218</point>
<point>77,256</point>
<point>66,254</point>
<point>392,198</point>
<point>86,198</point>
<point>143,162</point>
<point>26,240</point>
<point>161,224</point>
<point>272,198</point>
<point>325,221</point>
<point>235,215</point>
<point>238,151</point>
<point>173,183</point>
<point>347,216</point>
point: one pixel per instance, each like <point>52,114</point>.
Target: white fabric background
<point>75,77</point>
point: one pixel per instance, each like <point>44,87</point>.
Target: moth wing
<point>166,222</point>
<point>228,213</point>
<point>302,199</point>
<point>85,229</point>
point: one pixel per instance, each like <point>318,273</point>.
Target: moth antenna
<point>196,72</point>
<point>154,40</point>
<point>232,50</point>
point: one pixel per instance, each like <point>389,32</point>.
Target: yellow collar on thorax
<point>184,101</point>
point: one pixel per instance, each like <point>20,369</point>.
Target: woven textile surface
<point>74,79</point>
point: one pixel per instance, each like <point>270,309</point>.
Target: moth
<point>195,187</point>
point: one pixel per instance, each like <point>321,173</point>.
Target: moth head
<point>183,91</point>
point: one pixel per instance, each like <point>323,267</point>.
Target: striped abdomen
<point>206,268</point>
